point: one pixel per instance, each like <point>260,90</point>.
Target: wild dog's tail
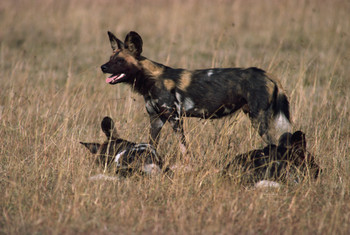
<point>280,107</point>
<point>281,113</point>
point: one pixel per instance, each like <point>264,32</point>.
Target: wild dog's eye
<point>117,60</point>
<point>120,61</point>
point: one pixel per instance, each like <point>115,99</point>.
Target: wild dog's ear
<point>285,140</point>
<point>108,128</point>
<point>93,147</point>
<point>298,139</point>
<point>133,42</point>
<point>115,42</point>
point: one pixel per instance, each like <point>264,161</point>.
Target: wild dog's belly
<point>195,105</point>
<point>189,108</point>
<point>212,93</point>
<point>205,112</point>
<point>204,107</point>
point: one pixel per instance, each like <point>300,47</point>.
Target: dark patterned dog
<point>128,156</point>
<point>172,93</point>
<point>287,162</point>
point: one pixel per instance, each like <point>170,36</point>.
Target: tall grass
<point>53,95</point>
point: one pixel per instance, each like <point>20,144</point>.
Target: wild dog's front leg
<point>156,125</point>
<point>156,121</point>
<point>177,125</point>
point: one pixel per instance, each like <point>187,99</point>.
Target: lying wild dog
<point>287,162</point>
<point>213,93</point>
<point>128,157</point>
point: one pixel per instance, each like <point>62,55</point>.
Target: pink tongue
<point>110,79</point>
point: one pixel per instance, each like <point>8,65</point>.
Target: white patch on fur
<point>151,168</point>
<point>281,123</point>
<point>119,155</point>
<point>183,149</point>
<point>152,105</point>
<point>227,111</point>
<point>103,177</point>
<point>165,106</point>
<point>143,146</point>
<point>267,184</point>
<point>158,123</point>
<point>210,72</point>
<point>178,96</point>
<point>149,106</point>
<point>178,102</point>
<point>188,104</point>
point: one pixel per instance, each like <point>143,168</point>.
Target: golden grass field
<point>53,95</point>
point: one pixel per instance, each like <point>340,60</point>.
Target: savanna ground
<point>53,95</point>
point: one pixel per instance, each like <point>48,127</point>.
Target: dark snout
<point>104,68</point>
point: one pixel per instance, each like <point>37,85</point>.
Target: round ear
<point>133,42</point>
<point>298,139</point>
<point>107,126</point>
<point>115,42</point>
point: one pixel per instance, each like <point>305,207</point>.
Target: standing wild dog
<point>213,93</point>
<point>127,156</point>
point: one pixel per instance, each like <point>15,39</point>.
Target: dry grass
<point>53,95</point>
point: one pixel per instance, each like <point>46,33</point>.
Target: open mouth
<point>114,78</point>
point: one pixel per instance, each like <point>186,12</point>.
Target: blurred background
<point>53,95</point>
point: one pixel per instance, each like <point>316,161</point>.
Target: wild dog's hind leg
<point>270,127</point>
<point>261,123</point>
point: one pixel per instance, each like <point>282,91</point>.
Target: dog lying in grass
<point>288,162</point>
<point>128,157</point>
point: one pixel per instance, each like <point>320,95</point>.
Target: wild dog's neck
<point>151,68</point>
<point>149,73</point>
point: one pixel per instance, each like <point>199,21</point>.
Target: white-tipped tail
<point>282,124</point>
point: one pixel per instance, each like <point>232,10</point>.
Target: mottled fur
<point>171,94</point>
<point>289,161</point>
<point>128,156</point>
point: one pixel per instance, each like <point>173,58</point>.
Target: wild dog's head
<point>106,151</point>
<point>293,147</point>
<point>289,161</point>
<point>127,156</point>
<point>123,63</point>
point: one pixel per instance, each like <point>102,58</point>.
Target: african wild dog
<point>209,93</point>
<point>128,157</point>
<point>287,162</point>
